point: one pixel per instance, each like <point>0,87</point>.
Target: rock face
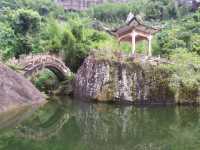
<point>142,83</point>
<point>16,91</point>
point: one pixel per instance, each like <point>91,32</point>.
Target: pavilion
<point>134,31</point>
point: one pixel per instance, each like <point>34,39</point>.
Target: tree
<point>7,41</point>
<point>26,24</point>
<point>154,10</point>
<point>26,21</point>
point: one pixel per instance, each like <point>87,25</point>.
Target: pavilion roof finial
<point>133,17</point>
<point>130,17</point>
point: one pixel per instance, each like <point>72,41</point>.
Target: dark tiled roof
<point>134,23</point>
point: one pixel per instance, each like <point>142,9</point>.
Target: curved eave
<point>134,25</point>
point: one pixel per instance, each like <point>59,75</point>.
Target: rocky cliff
<point>135,82</point>
<point>16,91</point>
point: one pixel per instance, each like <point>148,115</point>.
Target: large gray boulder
<point>16,91</point>
<point>132,82</point>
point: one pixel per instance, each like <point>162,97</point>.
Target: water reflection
<point>76,125</point>
<point>52,121</point>
<point>16,115</point>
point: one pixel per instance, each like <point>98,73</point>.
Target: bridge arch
<point>34,63</point>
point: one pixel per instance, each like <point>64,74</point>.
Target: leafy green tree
<point>26,21</point>
<point>196,16</point>
<point>7,41</point>
<point>168,41</point>
<point>77,31</point>
<point>51,36</point>
<point>26,24</point>
<point>111,12</point>
<point>68,46</point>
<point>154,10</point>
<point>186,37</point>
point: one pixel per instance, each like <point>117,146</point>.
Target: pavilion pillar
<point>150,48</point>
<point>119,42</point>
<point>133,42</point>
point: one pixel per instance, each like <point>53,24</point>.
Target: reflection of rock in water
<point>124,126</point>
<point>110,126</point>
<point>89,126</point>
<point>15,116</point>
<point>47,129</point>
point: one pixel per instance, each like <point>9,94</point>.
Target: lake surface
<point>66,124</point>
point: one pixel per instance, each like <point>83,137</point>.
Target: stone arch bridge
<point>31,64</point>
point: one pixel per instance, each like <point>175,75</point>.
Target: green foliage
<point>68,41</point>
<point>168,42</point>
<point>186,69</point>
<point>78,39</point>
<point>182,33</point>
<point>77,31</point>
<point>25,25</point>
<point>74,50</point>
<point>7,41</point>
<point>154,10</point>
<point>195,42</point>
<point>45,81</point>
<point>148,9</point>
<point>20,32</point>
<point>97,36</point>
<point>28,26</point>
<point>43,7</point>
<point>26,21</point>
<point>28,16</point>
<point>111,12</point>
<point>51,36</point>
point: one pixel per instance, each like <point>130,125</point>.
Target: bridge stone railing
<point>33,63</point>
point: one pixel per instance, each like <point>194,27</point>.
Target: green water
<point>75,125</point>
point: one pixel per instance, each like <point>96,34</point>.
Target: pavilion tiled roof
<point>134,24</point>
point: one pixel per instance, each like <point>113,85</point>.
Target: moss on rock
<point>136,82</point>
